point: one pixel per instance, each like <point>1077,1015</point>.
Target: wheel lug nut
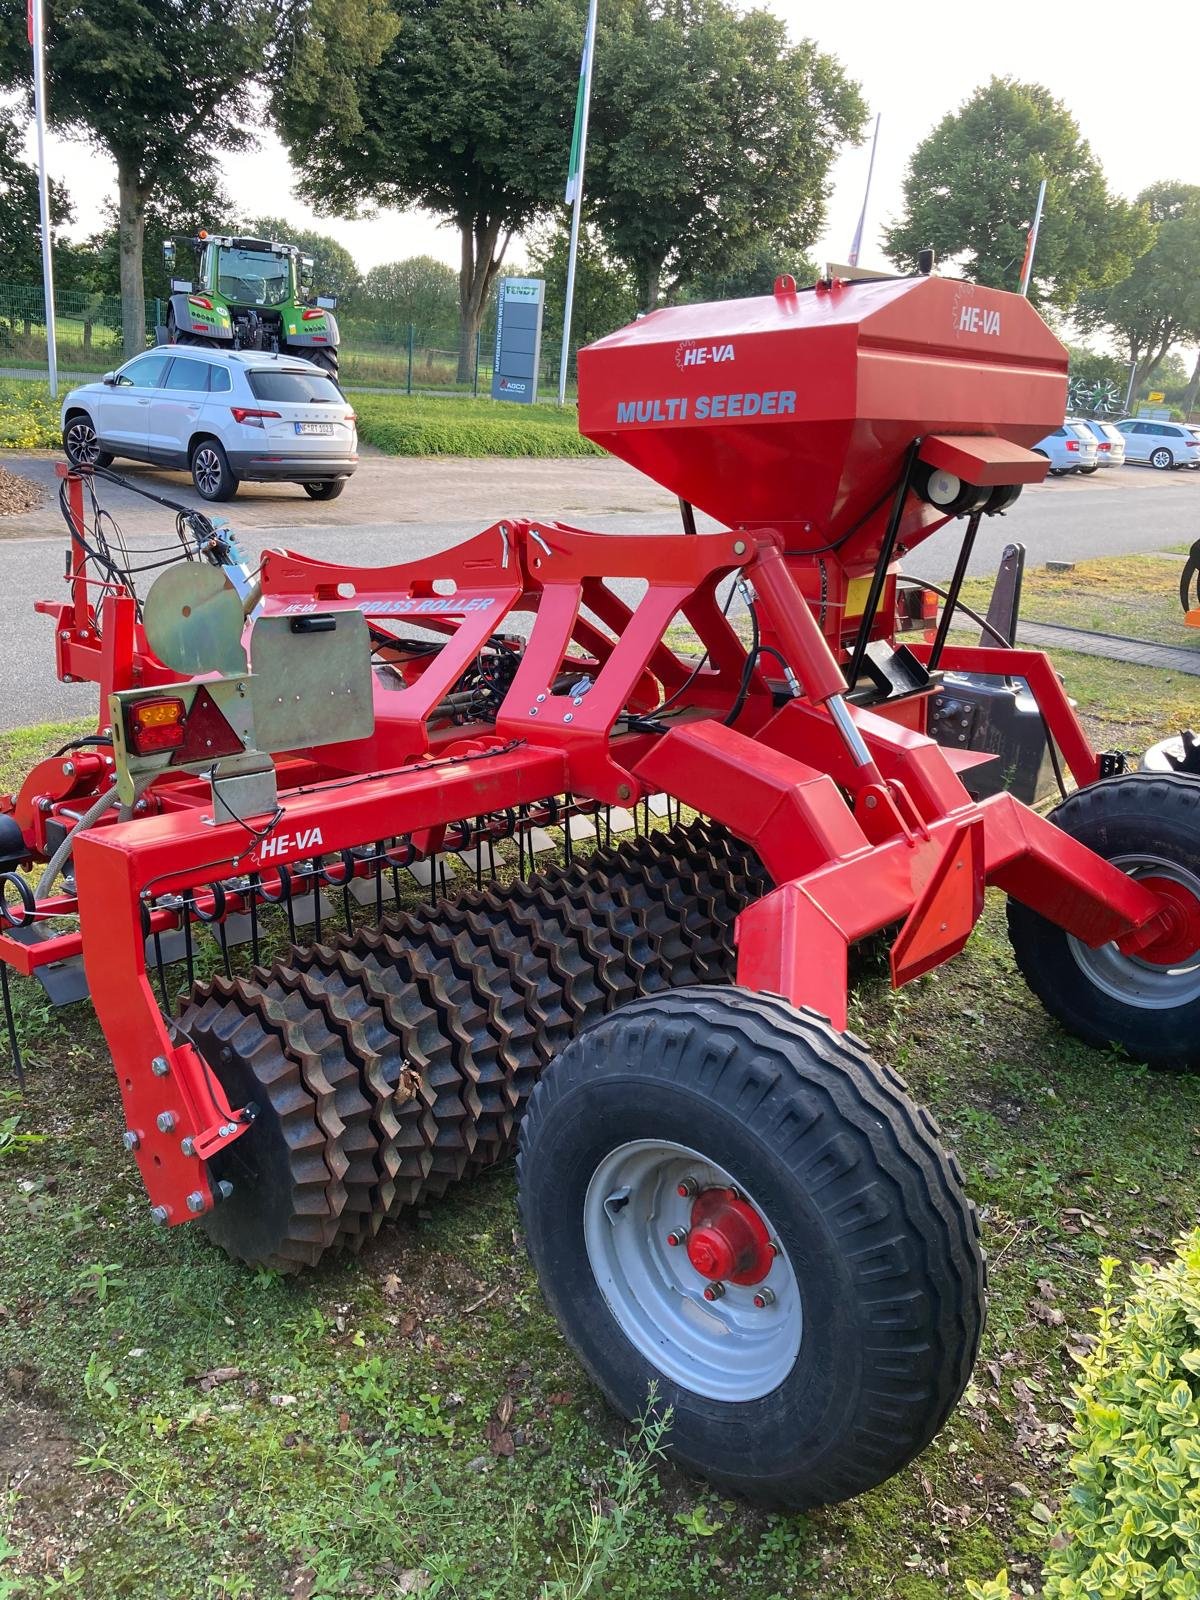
<point>677,1236</point>
<point>687,1188</point>
<point>764,1298</point>
<point>714,1291</point>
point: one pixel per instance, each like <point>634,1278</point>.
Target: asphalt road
<point>396,509</point>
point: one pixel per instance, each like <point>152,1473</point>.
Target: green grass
<point>1134,595</point>
<point>424,426</point>
<point>347,1452</point>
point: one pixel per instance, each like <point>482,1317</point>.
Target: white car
<point>1110,443</point>
<point>1071,448</point>
<point>1163,444</point>
<point>223,416</point>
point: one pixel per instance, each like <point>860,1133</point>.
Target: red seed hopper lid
<point>794,410</point>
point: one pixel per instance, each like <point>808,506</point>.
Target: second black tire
<point>867,1208</point>
<point>1149,824</point>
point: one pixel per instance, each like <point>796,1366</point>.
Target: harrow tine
<point>186,907</point>
<point>252,907</point>
<point>377,850</point>
<point>10,1024</point>
<point>313,873</point>
<point>160,968</point>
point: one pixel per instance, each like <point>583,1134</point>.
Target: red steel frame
<point>853,847</point>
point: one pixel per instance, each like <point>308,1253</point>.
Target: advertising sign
<point>518,339</point>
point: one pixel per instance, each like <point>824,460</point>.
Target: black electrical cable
<point>84,739</point>
<point>1006,644</point>
<point>698,668</point>
<point>826,549</point>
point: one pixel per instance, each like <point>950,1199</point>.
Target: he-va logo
<point>701,355</point>
<point>979,319</point>
<point>284,844</point>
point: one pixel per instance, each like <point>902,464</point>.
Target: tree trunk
<point>1192,392</point>
<point>651,285</point>
<point>480,264</point>
<point>131,230</point>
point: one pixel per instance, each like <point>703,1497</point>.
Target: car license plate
<point>314,427</point>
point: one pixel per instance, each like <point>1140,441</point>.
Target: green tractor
<point>250,294</point>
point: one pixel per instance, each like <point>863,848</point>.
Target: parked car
<point>1110,442</point>
<point>1070,448</point>
<point>1163,444</point>
<point>223,416</point>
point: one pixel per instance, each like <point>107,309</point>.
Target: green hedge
<point>1129,1528</point>
<point>429,427</point>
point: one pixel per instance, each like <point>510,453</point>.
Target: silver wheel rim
<point>1161,459</point>
<point>81,443</point>
<point>1130,979</point>
<point>729,1349</point>
<point>207,471</point>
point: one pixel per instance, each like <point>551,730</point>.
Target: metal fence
<point>88,327</point>
<point>377,352</point>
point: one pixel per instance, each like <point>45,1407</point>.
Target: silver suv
<point>1162,444</point>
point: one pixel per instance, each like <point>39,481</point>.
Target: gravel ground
<point>18,494</point>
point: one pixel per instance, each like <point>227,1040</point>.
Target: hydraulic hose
<point>62,855</point>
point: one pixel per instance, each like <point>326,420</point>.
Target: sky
<point>1133,96</point>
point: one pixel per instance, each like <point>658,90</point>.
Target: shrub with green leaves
<point>1129,1528</point>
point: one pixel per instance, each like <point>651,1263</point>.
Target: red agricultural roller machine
<point>723,1194</point>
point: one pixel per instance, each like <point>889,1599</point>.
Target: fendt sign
<point>519,304</point>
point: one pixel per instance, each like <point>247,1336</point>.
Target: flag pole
<point>575,187</point>
<point>862,216</point>
<point>1031,245</point>
<point>36,28</point>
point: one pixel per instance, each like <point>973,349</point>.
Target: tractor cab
<point>250,294</point>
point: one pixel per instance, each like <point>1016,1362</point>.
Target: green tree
<point>605,291</point>
<point>335,270</point>
<point>972,186</point>
<point>711,133</point>
<point>753,272</point>
<point>467,114</point>
<point>419,291</point>
<point>159,85</point>
<point>1157,306</point>
<point>20,218</point>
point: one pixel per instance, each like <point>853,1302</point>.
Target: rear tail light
<point>312,316</point>
<point>157,724</point>
<point>248,415</point>
<point>915,608</point>
<point>352,416</point>
<point>1104,447</point>
<point>1072,444</point>
<point>200,300</point>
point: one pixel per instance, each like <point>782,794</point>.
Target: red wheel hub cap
<point>727,1239</point>
<point>1180,940</point>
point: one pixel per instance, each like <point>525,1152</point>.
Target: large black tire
<point>878,1245</point>
<point>1150,825</point>
<point>175,336</point>
<point>80,445</point>
<point>328,359</point>
<point>212,475</point>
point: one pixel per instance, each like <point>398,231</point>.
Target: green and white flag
<point>579,135</point>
